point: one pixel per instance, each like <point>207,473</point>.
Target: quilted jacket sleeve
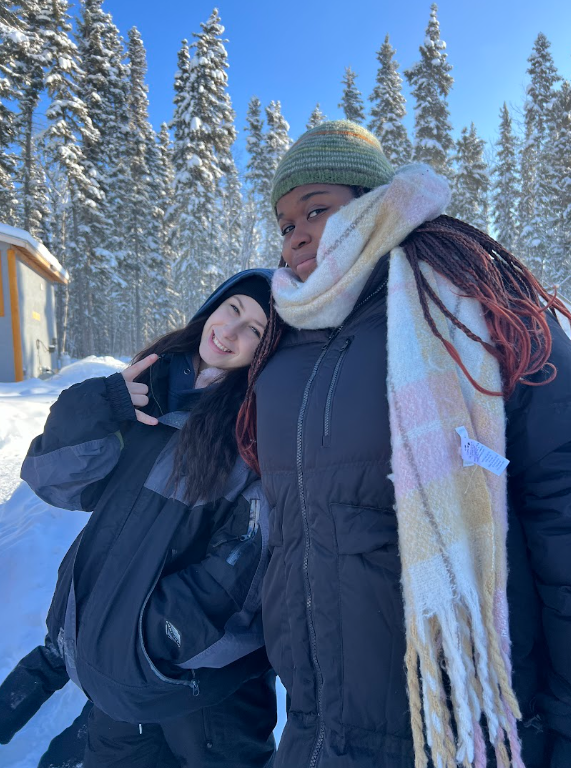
<point>81,443</point>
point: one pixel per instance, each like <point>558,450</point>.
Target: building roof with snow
<point>36,252</point>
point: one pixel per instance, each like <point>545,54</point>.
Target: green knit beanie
<point>334,152</point>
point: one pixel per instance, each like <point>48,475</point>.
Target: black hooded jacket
<point>157,607</point>
<point>332,604</point>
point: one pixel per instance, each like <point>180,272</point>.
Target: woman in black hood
<point>156,613</point>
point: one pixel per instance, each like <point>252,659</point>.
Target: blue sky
<point>297,51</point>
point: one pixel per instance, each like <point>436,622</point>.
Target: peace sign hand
<point>138,391</point>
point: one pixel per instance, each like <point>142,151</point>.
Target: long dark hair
<point>515,307</point>
<point>206,450</point>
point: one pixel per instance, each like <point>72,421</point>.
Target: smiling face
<point>302,215</point>
<point>232,333</point>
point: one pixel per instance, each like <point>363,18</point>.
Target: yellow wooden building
<point>28,276</point>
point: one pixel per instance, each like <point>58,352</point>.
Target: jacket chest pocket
<point>326,435</point>
<point>236,544</point>
<point>245,538</point>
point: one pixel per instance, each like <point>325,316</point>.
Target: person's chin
<point>305,269</point>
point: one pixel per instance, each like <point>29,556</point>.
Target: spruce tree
<point>316,118</point>
<point>255,184</point>
<point>31,58</point>
<point>506,184</point>
<point>13,41</point>
<point>556,189</point>
<point>431,82</point>
<point>141,225</point>
<point>351,100</point>
<point>7,134</point>
<point>70,129</point>
<point>277,142</point>
<point>38,221</point>
<point>113,120</point>
<point>388,108</point>
<point>231,252</point>
<point>255,146</point>
<point>165,299</point>
<point>471,181</point>
<point>202,155</point>
<point>533,208</point>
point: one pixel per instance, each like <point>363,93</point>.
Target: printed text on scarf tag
<point>474,452</point>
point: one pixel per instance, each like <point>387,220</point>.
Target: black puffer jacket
<point>332,605</point>
<point>157,609</point>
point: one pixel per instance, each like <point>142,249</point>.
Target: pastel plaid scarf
<point>452,519</point>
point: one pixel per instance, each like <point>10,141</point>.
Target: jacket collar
<point>294,337</point>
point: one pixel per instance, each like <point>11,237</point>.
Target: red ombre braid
<point>246,428</point>
<point>514,301</point>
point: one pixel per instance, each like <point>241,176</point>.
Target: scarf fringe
<point>461,642</point>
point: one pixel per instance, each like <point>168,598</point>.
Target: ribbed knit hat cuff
<point>346,177</point>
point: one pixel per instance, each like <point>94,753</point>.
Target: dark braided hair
<point>514,303</point>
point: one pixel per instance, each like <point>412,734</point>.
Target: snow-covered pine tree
<point>202,155</point>
<point>12,40</point>
<point>276,138</point>
<point>10,20</point>
<point>255,185</point>
<point>30,60</point>
<point>38,224</point>
<point>98,46</point>
<point>233,223</point>
<point>431,81</point>
<point>316,118</point>
<point>533,207</point>
<point>277,142</point>
<point>556,188</point>
<point>471,184</point>
<point>8,201</point>
<point>165,299</point>
<point>506,184</point>
<point>351,100</point>
<point>140,215</point>
<point>70,129</point>
<point>116,180</point>
<point>388,108</point>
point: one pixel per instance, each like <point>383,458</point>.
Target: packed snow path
<point>34,537</point>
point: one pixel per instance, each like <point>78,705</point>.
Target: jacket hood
<point>230,285</point>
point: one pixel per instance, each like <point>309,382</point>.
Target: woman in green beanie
<point>418,358</point>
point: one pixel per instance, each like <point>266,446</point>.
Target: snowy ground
<point>33,539</point>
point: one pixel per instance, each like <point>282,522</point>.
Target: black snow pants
<point>237,733</point>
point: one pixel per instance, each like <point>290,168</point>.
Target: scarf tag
<point>473,452</point>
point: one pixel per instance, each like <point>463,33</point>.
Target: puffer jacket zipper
<point>192,684</point>
<point>307,539</point>
<point>253,525</point>
<point>331,391</point>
